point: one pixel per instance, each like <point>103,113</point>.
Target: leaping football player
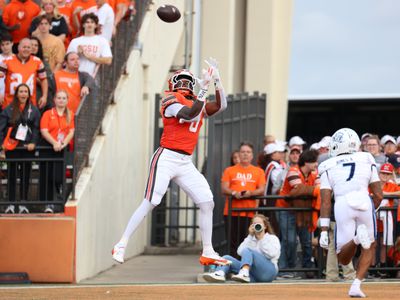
<point>182,114</point>
<point>348,174</point>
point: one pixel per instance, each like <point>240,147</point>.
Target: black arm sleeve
<point>86,80</point>
<point>188,113</point>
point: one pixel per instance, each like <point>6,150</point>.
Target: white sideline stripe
<point>313,283</point>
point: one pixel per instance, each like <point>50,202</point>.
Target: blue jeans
<point>288,232</point>
<point>261,268</point>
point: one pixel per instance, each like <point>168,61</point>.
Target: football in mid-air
<point>168,13</point>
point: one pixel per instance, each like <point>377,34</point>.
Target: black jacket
<point>30,117</point>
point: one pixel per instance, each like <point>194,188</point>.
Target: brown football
<point>168,13</point>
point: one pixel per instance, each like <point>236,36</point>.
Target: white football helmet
<point>182,80</point>
<point>343,141</point>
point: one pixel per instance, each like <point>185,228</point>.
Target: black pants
<point>239,231</point>
<point>51,179</point>
<point>20,169</point>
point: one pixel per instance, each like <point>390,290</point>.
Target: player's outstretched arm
<point>190,113</point>
<point>220,104</point>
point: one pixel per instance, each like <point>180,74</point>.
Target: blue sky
<point>345,47</point>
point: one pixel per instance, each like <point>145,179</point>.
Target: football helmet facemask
<point>182,80</point>
<point>344,141</point>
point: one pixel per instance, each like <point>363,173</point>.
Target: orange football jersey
<point>17,72</point>
<point>179,136</point>
<point>293,178</point>
<point>70,83</point>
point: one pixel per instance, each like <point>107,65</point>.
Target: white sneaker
<point>355,292</point>
<point>241,277</point>
<point>214,277</point>
<point>23,209</point>
<point>10,209</point>
<point>118,253</point>
<point>363,237</point>
<point>49,209</point>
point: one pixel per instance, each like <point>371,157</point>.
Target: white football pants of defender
<point>348,218</point>
<point>167,165</point>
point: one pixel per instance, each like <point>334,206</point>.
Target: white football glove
<point>206,78</point>
<point>213,63</point>
<point>324,240</point>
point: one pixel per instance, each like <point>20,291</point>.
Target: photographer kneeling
<point>259,253</point>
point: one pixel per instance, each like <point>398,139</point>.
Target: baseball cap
<point>388,138</point>
<point>387,168</point>
<point>324,142</point>
<point>365,135</point>
<point>295,147</point>
<point>398,140</point>
<point>314,146</point>
<point>274,147</point>
<point>394,159</point>
<point>296,140</point>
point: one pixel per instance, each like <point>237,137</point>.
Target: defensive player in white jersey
<point>349,174</point>
<point>182,112</point>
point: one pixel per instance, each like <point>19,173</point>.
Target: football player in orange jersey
<point>182,113</point>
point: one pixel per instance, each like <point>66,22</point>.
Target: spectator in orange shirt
<point>76,83</point>
<point>300,180</point>
<point>20,13</point>
<point>24,68</point>
<point>385,217</point>
<point>241,182</point>
<point>57,128</point>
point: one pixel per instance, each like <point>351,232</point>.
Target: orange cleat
<point>214,259</point>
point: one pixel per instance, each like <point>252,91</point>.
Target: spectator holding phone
<point>259,253</point>
<point>241,182</point>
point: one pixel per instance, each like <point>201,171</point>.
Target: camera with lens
<point>258,227</point>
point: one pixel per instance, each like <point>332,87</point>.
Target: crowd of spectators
<point>291,169</point>
<point>53,48</point>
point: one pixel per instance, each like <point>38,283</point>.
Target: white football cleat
<point>363,237</point>
<point>355,292</point>
<point>118,253</point>
<point>213,259</point>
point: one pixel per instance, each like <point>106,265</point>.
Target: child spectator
<point>6,53</point>
<point>385,217</point>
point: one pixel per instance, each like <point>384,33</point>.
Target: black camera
<point>258,227</point>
